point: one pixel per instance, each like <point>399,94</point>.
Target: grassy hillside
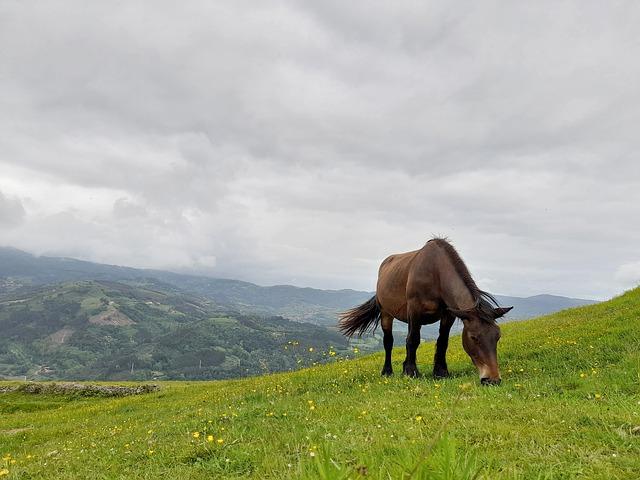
<point>569,407</point>
<point>114,331</point>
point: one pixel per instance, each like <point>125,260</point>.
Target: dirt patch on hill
<point>81,389</point>
<point>111,316</point>
<point>61,335</point>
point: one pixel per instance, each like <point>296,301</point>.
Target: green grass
<point>567,408</point>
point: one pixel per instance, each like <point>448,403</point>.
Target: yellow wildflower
<point>220,441</point>
<point>196,434</point>
<point>209,438</point>
<point>3,472</point>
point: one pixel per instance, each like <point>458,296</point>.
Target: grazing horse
<point>420,288</point>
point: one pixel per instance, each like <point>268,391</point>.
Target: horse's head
<point>480,337</point>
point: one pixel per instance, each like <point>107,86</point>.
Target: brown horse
<point>420,288</point>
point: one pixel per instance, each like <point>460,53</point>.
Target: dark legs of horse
<point>386,322</point>
<point>413,342</point>
<point>440,369</point>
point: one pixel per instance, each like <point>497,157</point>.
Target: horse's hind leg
<point>440,369</point>
<point>409,366</point>
<point>386,322</point>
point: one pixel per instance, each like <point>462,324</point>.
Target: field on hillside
<point>569,407</point>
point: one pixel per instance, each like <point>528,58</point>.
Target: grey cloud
<point>11,211</point>
<point>304,141</point>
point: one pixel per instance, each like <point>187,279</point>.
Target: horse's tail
<point>360,319</point>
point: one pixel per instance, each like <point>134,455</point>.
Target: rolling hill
<point>568,407</point>
<point>19,269</point>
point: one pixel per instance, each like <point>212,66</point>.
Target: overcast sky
<point>303,142</point>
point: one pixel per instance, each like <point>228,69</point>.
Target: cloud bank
<point>302,142</point>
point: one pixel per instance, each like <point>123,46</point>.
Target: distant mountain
<point>113,331</point>
<point>537,305</point>
<point>18,269</point>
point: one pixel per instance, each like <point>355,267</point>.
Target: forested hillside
<point>109,330</point>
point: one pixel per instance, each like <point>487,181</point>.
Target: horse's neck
<point>456,294</point>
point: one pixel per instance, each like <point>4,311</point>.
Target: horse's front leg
<point>440,369</point>
<point>409,366</point>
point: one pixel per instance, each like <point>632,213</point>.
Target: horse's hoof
<point>386,372</point>
<point>411,371</point>
<point>490,381</point>
<point>440,374</point>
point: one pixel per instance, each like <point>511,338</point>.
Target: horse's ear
<point>463,314</point>
<point>500,311</point>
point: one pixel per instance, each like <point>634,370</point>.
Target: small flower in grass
<point>220,441</point>
<point>196,434</point>
<point>597,396</point>
<point>418,418</point>
<point>209,438</point>
<point>582,375</point>
<point>4,471</point>
<point>311,349</point>
<point>356,350</point>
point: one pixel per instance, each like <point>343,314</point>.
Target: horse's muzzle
<point>490,381</point>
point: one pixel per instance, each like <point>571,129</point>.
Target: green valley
<point>116,331</point>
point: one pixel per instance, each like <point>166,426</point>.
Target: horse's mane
<point>485,302</point>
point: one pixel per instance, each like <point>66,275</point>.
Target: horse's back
<point>410,277</point>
